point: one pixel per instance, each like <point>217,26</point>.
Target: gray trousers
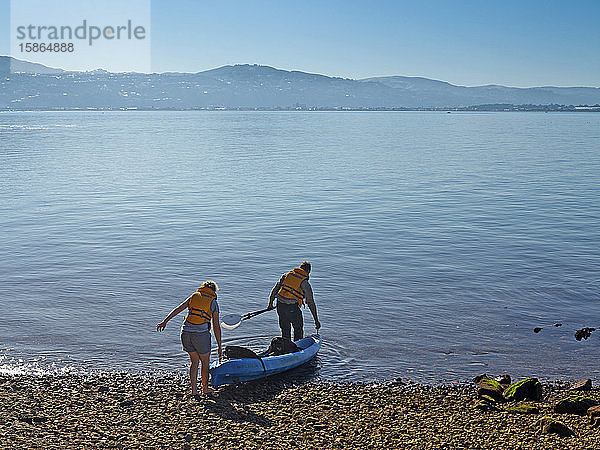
<point>290,316</point>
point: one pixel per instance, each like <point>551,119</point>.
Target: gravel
<point>138,411</point>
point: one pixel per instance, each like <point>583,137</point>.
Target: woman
<point>195,332</point>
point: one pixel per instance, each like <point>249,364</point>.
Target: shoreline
<point>494,107</point>
<point>121,410</point>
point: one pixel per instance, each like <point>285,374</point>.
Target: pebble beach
<point>138,411</point>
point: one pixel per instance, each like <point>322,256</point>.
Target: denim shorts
<point>196,342</point>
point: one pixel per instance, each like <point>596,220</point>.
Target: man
<point>291,291</point>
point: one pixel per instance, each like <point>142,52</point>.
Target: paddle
<point>232,321</point>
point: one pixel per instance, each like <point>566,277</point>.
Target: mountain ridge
<point>8,64</point>
<point>256,86</point>
<point>375,78</point>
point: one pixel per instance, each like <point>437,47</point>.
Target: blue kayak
<point>246,369</point>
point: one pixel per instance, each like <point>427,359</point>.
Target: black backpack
<point>235,352</point>
<point>281,346</point>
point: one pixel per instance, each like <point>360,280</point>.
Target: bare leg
<point>204,358</point>
<point>195,361</point>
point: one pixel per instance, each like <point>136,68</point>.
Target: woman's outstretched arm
<point>217,331</point>
<point>161,326</point>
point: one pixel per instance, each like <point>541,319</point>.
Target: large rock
<point>529,388</point>
<point>594,411</point>
<point>551,426</point>
<point>480,377</point>
<point>594,415</point>
<point>582,385</point>
<point>575,405</point>
<point>488,388</point>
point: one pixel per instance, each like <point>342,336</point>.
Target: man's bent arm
<point>274,292</point>
<point>310,301</point>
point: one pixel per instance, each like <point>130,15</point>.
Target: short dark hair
<point>305,266</point>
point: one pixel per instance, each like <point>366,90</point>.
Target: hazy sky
<point>515,43</point>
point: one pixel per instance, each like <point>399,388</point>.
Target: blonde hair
<point>210,284</point>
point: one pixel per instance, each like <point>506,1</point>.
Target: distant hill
<point>24,66</point>
<point>440,93</point>
<point>252,86</point>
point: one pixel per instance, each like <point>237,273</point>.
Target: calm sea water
<point>438,241</point>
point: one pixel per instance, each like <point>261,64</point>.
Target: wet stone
<point>529,388</point>
<point>582,385</point>
<point>551,426</point>
<point>478,378</point>
<point>584,333</point>
<point>594,411</point>
<point>490,389</point>
<point>575,405</point>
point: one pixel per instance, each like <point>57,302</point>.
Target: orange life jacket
<point>199,311</point>
<point>290,288</point>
